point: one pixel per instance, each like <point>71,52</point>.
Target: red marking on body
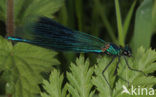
<point>108,53</point>
<point>106,47</point>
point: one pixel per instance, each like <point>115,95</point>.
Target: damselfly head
<point>127,51</point>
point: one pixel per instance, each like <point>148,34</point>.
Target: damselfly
<point>50,34</point>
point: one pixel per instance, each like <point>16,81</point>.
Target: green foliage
<point>128,19</point>
<point>143,26</point>
<point>99,9</point>
<point>79,13</point>
<point>119,23</point>
<point>154,16</point>
<point>99,81</point>
<point>79,81</point>
<point>35,8</point>
<point>122,29</point>
<point>81,78</point>
<point>143,60</point>
<point>22,64</point>
<point>54,86</point>
<point>2,9</point>
<point>27,10</point>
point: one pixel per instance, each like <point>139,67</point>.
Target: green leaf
<point>53,87</point>
<point>143,26</point>
<point>41,8</point>
<point>27,10</point>
<point>80,78</point>
<point>99,81</point>
<point>154,16</point>
<point>99,8</point>
<point>3,10</point>
<point>22,65</point>
<point>144,60</point>
<point>128,19</point>
<point>79,13</point>
<point>119,23</point>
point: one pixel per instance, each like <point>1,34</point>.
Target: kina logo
<point>137,90</point>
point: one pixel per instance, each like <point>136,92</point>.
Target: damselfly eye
<point>125,53</point>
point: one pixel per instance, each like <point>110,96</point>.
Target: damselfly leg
<point>106,69</point>
<point>133,68</point>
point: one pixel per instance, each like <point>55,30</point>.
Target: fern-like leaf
<point>143,60</point>
<point>80,79</point>
<point>54,86</point>
<point>99,80</point>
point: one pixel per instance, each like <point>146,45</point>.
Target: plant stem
<point>10,18</point>
<point>10,22</point>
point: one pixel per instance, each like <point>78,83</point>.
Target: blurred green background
<point>131,22</point>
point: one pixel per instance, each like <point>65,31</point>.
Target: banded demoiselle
<point>50,34</point>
